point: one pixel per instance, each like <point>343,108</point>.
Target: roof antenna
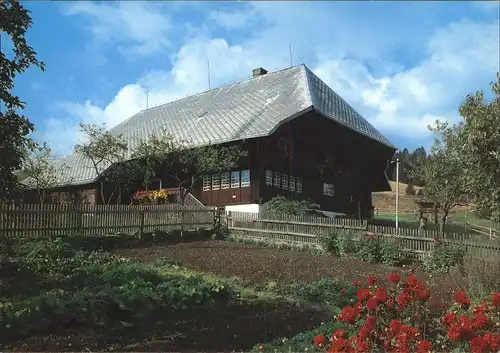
<point>208,72</point>
<point>290,50</point>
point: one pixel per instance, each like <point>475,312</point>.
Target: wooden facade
<point>310,157</point>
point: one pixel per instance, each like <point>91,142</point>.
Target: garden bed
<point>258,264</point>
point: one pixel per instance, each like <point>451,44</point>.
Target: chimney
<point>259,72</point>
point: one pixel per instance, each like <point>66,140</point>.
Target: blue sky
<point>401,64</point>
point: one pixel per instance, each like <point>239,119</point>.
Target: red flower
<point>495,299</point>
<point>337,334</point>
<point>356,283</point>
<point>394,326</point>
<point>363,294</point>
<point>371,322</point>
<point>493,341</point>
<point>454,332</point>
<point>390,304</point>
<point>372,280</point>
<point>349,314</point>
<point>448,319</point>
<point>371,304</point>
<point>342,291</point>
<point>461,298</point>
<point>394,277</point>
<point>478,344</point>
<point>411,280</point>
<point>479,320</point>
<point>424,295</point>
<point>381,295</point>
<point>424,346</point>
<point>319,341</point>
<point>403,300</point>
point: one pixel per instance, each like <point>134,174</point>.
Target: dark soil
<point>259,264</point>
<point>226,327</point>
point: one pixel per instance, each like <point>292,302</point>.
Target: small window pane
<point>235,179</point>
<point>269,177</point>
<point>277,179</point>
<point>245,178</point>
<point>206,183</point>
<point>328,189</point>
<point>216,181</point>
<point>284,182</point>
<point>225,180</point>
<point>298,184</point>
<point>291,183</point>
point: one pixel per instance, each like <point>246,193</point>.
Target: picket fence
<point>306,229</point>
<point>57,220</point>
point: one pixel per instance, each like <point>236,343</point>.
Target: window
<point>216,181</point>
<point>206,183</point>
<point>245,178</point>
<point>291,183</point>
<point>224,181</point>
<point>277,178</point>
<point>269,177</point>
<point>328,189</point>
<point>284,182</point>
<point>298,184</point>
<point>235,179</point>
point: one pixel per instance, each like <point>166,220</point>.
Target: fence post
<point>141,223</point>
<point>229,220</point>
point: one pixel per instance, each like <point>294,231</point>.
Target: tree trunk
<point>443,221</point>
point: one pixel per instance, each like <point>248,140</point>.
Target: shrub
<point>325,291</point>
<point>329,242</point>
<point>392,253</point>
<point>444,257</point>
<point>347,244</point>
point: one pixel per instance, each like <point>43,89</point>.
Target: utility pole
<point>397,196</point>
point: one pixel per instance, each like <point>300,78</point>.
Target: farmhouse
<point>303,141</point>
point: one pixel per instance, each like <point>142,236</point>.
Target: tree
<point>41,172</point>
<point>106,154</point>
<point>478,141</point>
<point>442,173</point>
<point>184,164</point>
<point>15,128</point>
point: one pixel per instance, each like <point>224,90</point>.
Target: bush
<point>444,257</point>
<point>324,291</point>
<point>329,242</point>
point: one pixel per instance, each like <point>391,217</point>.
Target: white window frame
<point>328,189</point>
<point>284,182</point>
<point>245,178</point>
<point>291,183</point>
<point>298,184</point>
<point>269,177</point>
<point>225,178</point>
<point>277,179</point>
<point>216,181</point>
<point>235,179</point>
<point>207,183</point>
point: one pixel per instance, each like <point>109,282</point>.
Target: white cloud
<point>138,28</point>
<point>232,20</point>
<point>457,59</point>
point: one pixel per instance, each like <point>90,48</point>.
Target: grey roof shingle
<point>248,109</point>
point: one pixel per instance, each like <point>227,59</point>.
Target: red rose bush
<point>397,319</point>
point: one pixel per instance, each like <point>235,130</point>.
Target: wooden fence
<point>54,220</point>
<point>307,229</point>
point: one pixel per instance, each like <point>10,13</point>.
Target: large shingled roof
<point>247,109</point>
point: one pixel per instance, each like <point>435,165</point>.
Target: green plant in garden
<point>444,257</point>
<point>73,287</point>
